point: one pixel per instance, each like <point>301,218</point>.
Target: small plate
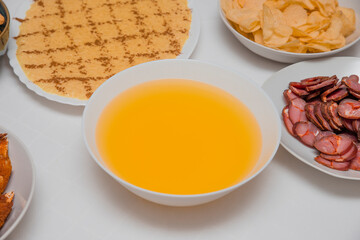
<point>20,13</point>
<point>278,82</point>
<point>22,182</point>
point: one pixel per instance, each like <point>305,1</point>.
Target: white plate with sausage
<point>278,82</point>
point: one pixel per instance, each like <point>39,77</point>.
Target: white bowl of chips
<point>293,30</point>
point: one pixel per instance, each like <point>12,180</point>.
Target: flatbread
<point>70,47</point>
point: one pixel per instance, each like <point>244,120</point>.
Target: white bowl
<point>289,57</point>
<point>245,90</point>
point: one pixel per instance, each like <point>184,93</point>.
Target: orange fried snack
<point>5,164</point>
<point>2,19</point>
<point>6,203</point>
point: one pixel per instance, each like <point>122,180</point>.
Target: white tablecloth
<point>75,199</point>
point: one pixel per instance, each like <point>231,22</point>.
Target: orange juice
<point>178,136</point>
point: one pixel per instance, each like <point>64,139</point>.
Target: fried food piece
<point>6,203</point>
<point>2,19</point>
<point>5,164</point>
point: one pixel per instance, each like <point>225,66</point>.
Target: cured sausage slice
<point>347,156</point>
<point>324,134</point>
<point>288,124</point>
<point>289,95</point>
<point>313,95</point>
<point>327,92</point>
<point>314,79</point>
<point>338,94</point>
<point>348,135</point>
<point>320,118</point>
<point>307,132</point>
<point>327,83</point>
<point>356,125</point>
<point>310,114</point>
<point>352,82</point>
<point>332,110</point>
<point>341,166</point>
<point>298,91</point>
<point>355,94</point>
<point>326,115</point>
<point>297,110</point>
<point>349,108</point>
<point>333,145</point>
<point>355,163</point>
<point>347,123</point>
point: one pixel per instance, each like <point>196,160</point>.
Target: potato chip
<point>314,48</point>
<point>301,26</point>
<point>275,31</point>
<point>226,5</point>
<point>247,19</point>
<point>326,7</point>
<point>258,37</point>
<point>241,3</point>
<point>347,16</point>
<point>295,15</point>
<point>335,28</point>
<point>294,45</point>
<point>254,4</point>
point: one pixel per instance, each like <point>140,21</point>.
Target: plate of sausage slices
<point>318,102</point>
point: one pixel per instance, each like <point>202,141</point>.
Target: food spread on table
<point>324,112</point>
<point>70,47</point>
<point>297,26</point>
<point>6,199</point>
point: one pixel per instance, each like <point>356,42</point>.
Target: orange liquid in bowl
<point>178,136</point>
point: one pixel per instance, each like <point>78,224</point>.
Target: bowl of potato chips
<point>293,30</point>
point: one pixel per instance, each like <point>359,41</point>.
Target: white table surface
<point>75,199</point>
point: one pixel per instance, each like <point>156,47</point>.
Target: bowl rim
<point>309,55</point>
<point>182,196</point>
<point>7,18</point>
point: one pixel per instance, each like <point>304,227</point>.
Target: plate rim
<point>321,168</point>
<point>20,12</point>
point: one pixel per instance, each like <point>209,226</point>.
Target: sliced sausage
<point>348,135</point>
<point>352,82</point>
<point>333,145</point>
<point>324,134</point>
<point>314,79</point>
<point>347,156</point>
<point>341,166</point>
<point>307,132</point>
<point>332,110</point>
<point>310,114</point>
<point>324,95</point>
<point>326,115</point>
<point>298,91</point>
<point>313,95</point>
<point>289,95</point>
<point>338,94</point>
<point>297,110</point>
<point>320,118</point>
<point>286,118</point>
<point>355,163</point>
<point>349,108</point>
<point>355,94</point>
<point>347,123</point>
<point>328,83</point>
<point>356,125</point>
